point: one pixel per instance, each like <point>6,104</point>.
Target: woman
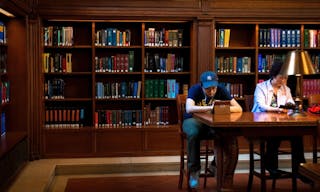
<point>268,97</point>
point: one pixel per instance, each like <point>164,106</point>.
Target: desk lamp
<point>298,63</point>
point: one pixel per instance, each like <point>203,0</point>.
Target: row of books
<point>5,91</point>
<point>222,37</point>
<point>265,61</point>
<point>57,62</point>
<point>3,33</point>
<point>115,63</point>
<point>128,118</point>
<point>161,88</point>
<point>169,63</point>
<point>123,89</point>
<point>3,59</point>
<point>54,88</point>
<point>311,38</point>
<point>64,117</point>
<point>230,64</point>
<point>3,123</point>
<point>157,116</point>
<point>118,118</point>
<point>163,37</point>
<point>113,37</point>
<point>235,89</point>
<point>277,37</point>
<point>58,36</point>
<point>310,86</point>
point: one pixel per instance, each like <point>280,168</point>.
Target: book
<point>131,61</point>
<point>2,32</point>
<point>3,123</point>
<point>68,62</point>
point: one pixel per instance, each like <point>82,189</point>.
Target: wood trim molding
<point>16,7</point>
<point>286,9</point>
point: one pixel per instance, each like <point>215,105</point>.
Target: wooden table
<point>258,125</point>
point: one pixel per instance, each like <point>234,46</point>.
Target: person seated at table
<point>269,95</point>
<point>201,98</point>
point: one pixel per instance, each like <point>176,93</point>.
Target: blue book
<point>123,88</point>
<point>2,28</point>
<point>3,123</point>
<point>260,67</point>
<point>239,64</point>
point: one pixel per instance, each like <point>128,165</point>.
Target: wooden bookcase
<point>79,91</point>
<point>13,139</point>
<point>252,39</point>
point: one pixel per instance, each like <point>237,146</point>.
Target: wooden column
<point>34,85</point>
<point>205,51</point>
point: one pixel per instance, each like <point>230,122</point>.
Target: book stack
<point>163,37</point>
<point>113,37</point>
<point>58,36</point>
<point>115,63</point>
<point>118,118</point>
<point>64,117</point>
<point>57,62</point>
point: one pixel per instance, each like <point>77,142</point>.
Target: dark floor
<point>167,184</point>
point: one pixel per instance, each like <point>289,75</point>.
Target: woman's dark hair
<point>275,68</point>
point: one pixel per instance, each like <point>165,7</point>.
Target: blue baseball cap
<point>209,79</point>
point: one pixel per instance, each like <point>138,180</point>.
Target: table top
<point>249,119</point>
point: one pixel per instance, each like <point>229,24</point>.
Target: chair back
<point>313,99</point>
<point>248,102</point>
<point>181,108</point>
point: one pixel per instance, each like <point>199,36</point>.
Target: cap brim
<point>208,84</point>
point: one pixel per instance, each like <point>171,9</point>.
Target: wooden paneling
<point>72,143</point>
<point>180,8</point>
<point>205,34</point>
<point>162,141</point>
<point>264,8</point>
<point>118,142</point>
<point>17,73</point>
<point>16,7</point>
<point>125,8</point>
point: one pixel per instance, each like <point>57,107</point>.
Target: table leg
<point>314,148</point>
<point>219,156</point>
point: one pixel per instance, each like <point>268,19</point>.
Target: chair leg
<point>206,166</point>
<point>181,170</point>
<point>262,166</point>
<point>274,184</point>
<point>251,166</point>
<point>182,164</point>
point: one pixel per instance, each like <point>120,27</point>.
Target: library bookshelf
<point>243,53</point>
<point>250,48</point>
<point>110,86</point>
<point>13,139</point>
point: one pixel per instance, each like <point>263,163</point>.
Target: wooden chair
<point>312,100</point>
<point>207,148</point>
<point>260,152</point>
<point>312,172</point>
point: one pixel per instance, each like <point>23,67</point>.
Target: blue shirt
<point>198,96</point>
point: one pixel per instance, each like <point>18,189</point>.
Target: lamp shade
<point>297,63</point>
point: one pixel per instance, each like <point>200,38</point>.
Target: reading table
<point>258,125</point>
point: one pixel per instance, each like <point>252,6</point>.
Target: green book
<point>131,61</point>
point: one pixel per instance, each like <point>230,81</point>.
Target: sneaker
<point>194,179</point>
